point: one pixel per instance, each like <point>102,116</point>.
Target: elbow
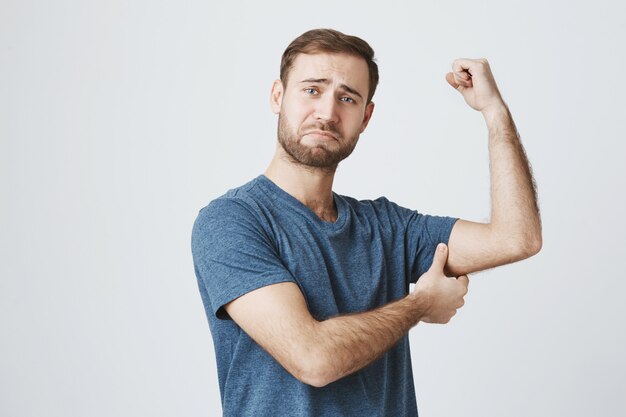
<point>314,369</point>
<point>536,245</point>
<point>308,360</point>
<point>534,242</point>
<point>315,381</point>
<point>315,372</point>
<point>528,245</point>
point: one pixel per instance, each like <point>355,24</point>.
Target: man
<point>307,291</point>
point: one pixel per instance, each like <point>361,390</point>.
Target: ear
<point>369,109</point>
<point>276,96</point>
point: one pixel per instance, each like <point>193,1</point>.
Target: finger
<point>456,83</point>
<point>463,75</point>
<point>473,67</point>
<point>440,258</point>
<point>450,317</point>
<point>463,78</point>
<point>463,279</point>
<point>451,79</point>
<point>464,64</point>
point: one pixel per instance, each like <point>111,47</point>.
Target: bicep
<point>475,247</point>
<point>277,318</point>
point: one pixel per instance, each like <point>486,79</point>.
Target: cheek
<point>297,112</point>
<point>291,116</point>
<point>355,122</point>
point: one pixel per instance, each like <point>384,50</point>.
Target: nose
<point>326,108</point>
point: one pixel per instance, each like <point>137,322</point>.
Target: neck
<point>310,185</point>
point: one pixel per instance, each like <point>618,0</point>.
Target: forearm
<point>515,215</point>
<point>348,343</point>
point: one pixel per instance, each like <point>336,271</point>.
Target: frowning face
<point>322,110</point>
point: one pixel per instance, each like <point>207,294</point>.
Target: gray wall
<point>119,120</point>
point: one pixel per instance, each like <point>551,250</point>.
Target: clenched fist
<point>474,80</point>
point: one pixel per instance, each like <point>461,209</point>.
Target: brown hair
<point>333,41</point>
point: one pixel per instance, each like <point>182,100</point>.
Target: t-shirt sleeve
<point>422,234</point>
<point>233,253</point>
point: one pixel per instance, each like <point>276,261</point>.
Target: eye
<point>347,99</point>
<point>310,91</point>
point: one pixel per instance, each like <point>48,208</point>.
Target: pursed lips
<point>321,133</point>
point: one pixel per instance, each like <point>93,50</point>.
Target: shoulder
<point>234,211</point>
<point>381,207</point>
<point>234,203</point>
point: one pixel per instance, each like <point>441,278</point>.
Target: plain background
<point>119,120</point>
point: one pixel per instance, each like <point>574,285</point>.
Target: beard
<point>320,155</point>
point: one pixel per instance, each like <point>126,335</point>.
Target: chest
<point>358,269</point>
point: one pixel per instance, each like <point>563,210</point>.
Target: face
<point>322,110</point>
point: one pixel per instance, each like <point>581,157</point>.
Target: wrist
<point>495,112</point>
<point>420,300</point>
<point>499,120</point>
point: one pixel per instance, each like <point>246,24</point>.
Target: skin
<point>312,106</point>
<point>319,124</point>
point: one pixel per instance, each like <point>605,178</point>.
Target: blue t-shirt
<point>257,235</point>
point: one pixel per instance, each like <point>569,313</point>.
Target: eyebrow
<point>326,81</point>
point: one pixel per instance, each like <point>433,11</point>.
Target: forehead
<point>339,68</point>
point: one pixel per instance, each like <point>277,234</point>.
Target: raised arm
<point>320,352</point>
<point>514,230</point>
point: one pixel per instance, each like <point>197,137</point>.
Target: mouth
<point>322,134</point>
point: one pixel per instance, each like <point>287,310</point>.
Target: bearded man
<point>307,291</point>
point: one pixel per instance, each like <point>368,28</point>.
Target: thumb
<point>440,258</point>
<point>451,81</point>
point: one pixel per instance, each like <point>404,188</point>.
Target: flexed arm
<point>514,231</point>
